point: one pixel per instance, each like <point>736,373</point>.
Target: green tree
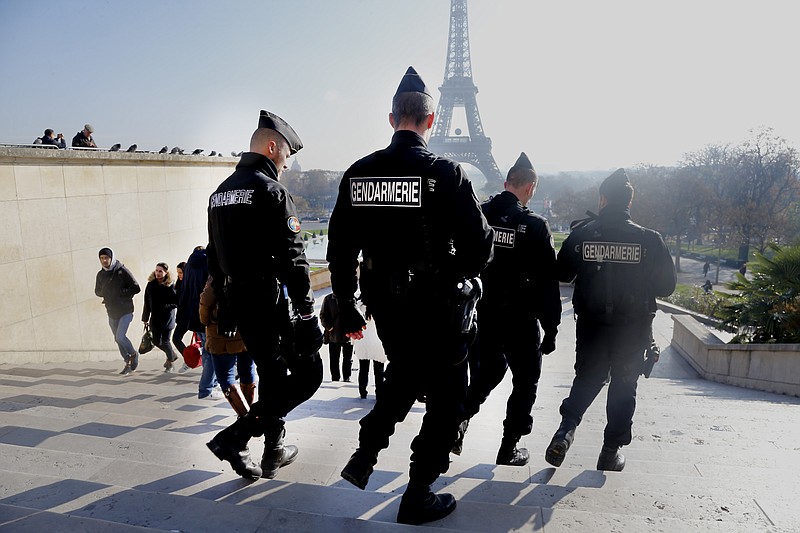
<point>767,306</point>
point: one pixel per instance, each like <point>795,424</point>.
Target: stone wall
<point>58,208</point>
<point>767,367</point>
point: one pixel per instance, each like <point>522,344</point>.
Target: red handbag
<point>193,353</point>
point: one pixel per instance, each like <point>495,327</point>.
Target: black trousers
<point>363,375</point>
<point>602,350</point>
<point>432,368</point>
<point>346,350</point>
<point>282,384</point>
<point>506,341</point>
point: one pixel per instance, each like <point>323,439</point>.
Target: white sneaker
<point>184,368</point>
<point>215,395</point>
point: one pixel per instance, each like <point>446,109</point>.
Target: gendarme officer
<point>416,219</point>
<point>619,268</point>
<point>254,243</point>
<point>520,293</point>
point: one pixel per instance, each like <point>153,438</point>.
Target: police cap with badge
<point>274,122</point>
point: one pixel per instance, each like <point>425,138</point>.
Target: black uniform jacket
<point>619,268</point>
<point>116,287</point>
<point>254,232</point>
<point>407,210</point>
<point>522,277</point>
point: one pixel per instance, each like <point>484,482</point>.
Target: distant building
<point>296,165</point>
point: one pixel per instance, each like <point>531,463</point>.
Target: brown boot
<point>237,400</point>
<point>249,392</point>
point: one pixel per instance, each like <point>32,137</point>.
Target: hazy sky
<point>576,85</point>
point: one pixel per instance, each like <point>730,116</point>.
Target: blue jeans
<point>207,380</point>
<point>226,365</point>
<point>119,327</point>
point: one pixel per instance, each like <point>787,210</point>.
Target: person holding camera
<point>50,138</point>
<point>254,243</point>
<point>416,219</point>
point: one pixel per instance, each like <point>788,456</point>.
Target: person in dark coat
<point>195,274</point>
<point>338,342</point>
<point>418,223</point>
<point>257,262</point>
<point>84,139</point>
<point>116,285</point>
<point>50,138</point>
<point>520,294</point>
<point>158,313</point>
<point>618,268</point>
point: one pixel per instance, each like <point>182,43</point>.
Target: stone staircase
<point>84,449</point>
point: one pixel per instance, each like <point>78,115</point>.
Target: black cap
<point>523,162</point>
<point>412,83</point>
<point>106,251</point>
<point>274,122</point>
<point>617,187</point>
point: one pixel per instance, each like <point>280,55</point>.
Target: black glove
<point>548,345</point>
<point>307,336</point>
<point>351,319</point>
<point>226,325</point>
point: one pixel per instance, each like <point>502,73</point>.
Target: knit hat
<point>106,251</point>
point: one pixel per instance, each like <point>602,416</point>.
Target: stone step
<point>277,505</point>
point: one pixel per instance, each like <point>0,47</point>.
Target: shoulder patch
<point>294,224</point>
<point>399,191</point>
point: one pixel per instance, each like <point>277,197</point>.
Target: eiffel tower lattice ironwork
<point>458,90</point>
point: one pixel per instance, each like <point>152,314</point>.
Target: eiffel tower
<point>458,90</point>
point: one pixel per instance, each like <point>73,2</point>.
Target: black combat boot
<point>562,440</point>
<point>510,455</point>
<point>419,505</point>
<point>458,445</point>
<point>276,455</point>
<point>610,459</point>
<point>360,467</point>
<point>230,445</point>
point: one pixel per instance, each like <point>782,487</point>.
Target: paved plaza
<point>84,449</point>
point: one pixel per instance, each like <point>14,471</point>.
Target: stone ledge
<point>767,367</point>
<point>28,156</point>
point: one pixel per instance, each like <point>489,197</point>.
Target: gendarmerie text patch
<point>504,237</point>
<point>612,252</point>
<point>386,192</point>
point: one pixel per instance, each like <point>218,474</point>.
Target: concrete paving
<point>84,449</point>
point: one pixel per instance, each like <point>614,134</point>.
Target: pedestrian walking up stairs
<point>84,449</point>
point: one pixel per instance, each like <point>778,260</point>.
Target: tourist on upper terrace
<point>84,139</point>
<point>158,314</point>
<point>116,286</point>
<point>50,138</point>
